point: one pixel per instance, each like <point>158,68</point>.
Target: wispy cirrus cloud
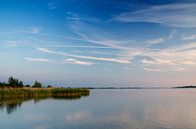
<point>63,61</point>
<point>52,5</point>
<point>175,58</point>
<point>176,15</point>
<point>11,43</point>
<point>152,69</point>
<point>46,50</point>
<point>78,17</point>
<point>189,37</point>
<point>113,44</point>
<point>34,30</point>
<point>44,60</point>
<point>72,46</point>
<point>85,57</point>
<point>78,62</point>
<point>155,41</point>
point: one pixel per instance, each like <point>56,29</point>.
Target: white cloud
<point>11,44</point>
<point>176,58</point>
<point>177,15</point>
<point>172,34</point>
<point>96,58</point>
<point>73,46</point>
<point>52,5</point>
<point>34,30</point>
<point>128,68</point>
<point>155,41</point>
<point>144,61</point>
<point>39,60</point>
<point>64,61</point>
<point>77,17</point>
<point>45,50</point>
<point>85,57</point>
<point>189,37</point>
<point>189,63</point>
<point>113,44</point>
<point>158,61</point>
<point>152,69</point>
<point>74,61</point>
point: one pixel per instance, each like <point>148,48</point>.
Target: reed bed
<point>11,93</point>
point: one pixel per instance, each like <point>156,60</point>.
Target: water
<point>106,109</point>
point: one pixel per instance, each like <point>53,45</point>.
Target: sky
<point>99,43</point>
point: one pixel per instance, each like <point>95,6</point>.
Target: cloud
<point>52,5</point>
<point>174,58</point>
<point>128,68</point>
<point>144,61</point>
<point>72,46</point>
<point>46,50</point>
<point>64,61</point>
<point>158,61</point>
<point>176,15</point>
<point>85,57</point>
<point>74,61</point>
<point>156,41</point>
<point>96,58</point>
<point>79,17</point>
<point>152,69</point>
<point>113,44</point>
<point>39,60</point>
<point>11,43</point>
<point>189,37</point>
<point>34,30</point>
<point>172,34</point>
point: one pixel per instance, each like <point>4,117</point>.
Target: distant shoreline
<point>177,87</point>
<point>129,87</point>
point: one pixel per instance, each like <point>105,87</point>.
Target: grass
<point>13,93</point>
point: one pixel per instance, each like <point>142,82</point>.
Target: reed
<point>10,93</point>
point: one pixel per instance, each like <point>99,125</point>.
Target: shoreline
<point>13,93</point>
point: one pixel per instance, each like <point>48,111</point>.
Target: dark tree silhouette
<point>37,85</point>
<point>14,82</point>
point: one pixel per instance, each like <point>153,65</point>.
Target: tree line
<point>16,83</point>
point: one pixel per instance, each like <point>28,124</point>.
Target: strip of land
<point>185,87</point>
<point>42,92</point>
<point>15,88</point>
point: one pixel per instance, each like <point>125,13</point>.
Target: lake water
<point>106,109</point>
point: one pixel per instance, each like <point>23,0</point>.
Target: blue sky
<point>99,43</point>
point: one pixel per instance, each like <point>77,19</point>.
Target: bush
<point>37,85</point>
<point>14,82</point>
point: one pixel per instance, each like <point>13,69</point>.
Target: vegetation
<point>185,87</point>
<point>37,85</point>
<point>12,83</point>
<point>15,88</point>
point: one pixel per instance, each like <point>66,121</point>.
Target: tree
<point>1,84</point>
<point>20,84</point>
<point>27,85</point>
<point>49,86</point>
<point>14,82</point>
<point>37,85</point>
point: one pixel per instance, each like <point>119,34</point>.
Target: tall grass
<point>11,93</point>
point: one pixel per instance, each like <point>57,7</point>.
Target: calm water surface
<point>106,109</point>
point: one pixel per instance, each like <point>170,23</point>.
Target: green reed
<point>10,93</point>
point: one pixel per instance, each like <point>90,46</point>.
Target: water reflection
<point>11,105</point>
<point>104,109</point>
